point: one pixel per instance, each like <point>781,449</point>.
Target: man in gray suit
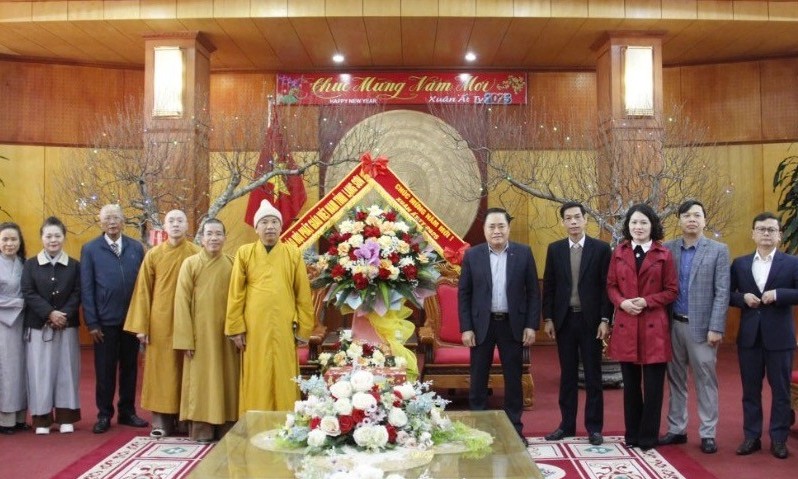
<point>698,322</point>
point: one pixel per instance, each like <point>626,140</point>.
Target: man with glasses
<point>764,285</point>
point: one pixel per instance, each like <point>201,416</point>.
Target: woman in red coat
<point>641,283</point>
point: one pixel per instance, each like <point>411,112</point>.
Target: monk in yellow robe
<point>150,318</point>
<point>209,396</point>
<point>269,294</point>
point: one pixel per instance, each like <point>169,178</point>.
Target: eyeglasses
<point>761,230</point>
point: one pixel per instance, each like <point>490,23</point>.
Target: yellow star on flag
<point>278,183</point>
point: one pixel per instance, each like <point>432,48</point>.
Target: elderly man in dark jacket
<point>108,266</point>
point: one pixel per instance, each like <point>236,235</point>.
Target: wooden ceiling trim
<point>457,8</point>
<point>306,8</point>
<point>486,38</point>
<point>121,10</point>
<point>494,8</point>
<point>269,8</point>
<point>451,41</point>
<point>532,8</point>
<point>587,34</point>
<point>158,9</point>
<point>572,8</point>
<point>351,38</point>
<point>284,41</point>
<point>344,8</point>
<point>87,10</point>
<point>250,42</point>
<point>50,11</point>
<point>714,10</point>
<point>418,41</point>
<point>642,9</point>
<point>382,8</point>
<point>750,10</point>
<point>318,41</point>
<point>606,9</point>
<point>133,30</point>
<point>16,11</point>
<point>197,9</point>
<point>783,11</point>
<point>419,8</point>
<point>230,8</point>
<point>385,41</point>
<point>680,10</point>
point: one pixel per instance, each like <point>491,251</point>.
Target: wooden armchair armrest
<point>315,340</point>
<point>426,339</point>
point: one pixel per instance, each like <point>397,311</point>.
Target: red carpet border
<point>575,458</point>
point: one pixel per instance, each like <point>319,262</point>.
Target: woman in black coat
<point>51,288</point>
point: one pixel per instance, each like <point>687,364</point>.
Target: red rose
<point>415,247</point>
<point>390,215</point>
<point>368,349</point>
<point>410,272</point>
<point>376,395</point>
<point>358,415</point>
<point>346,423</point>
<point>333,250</point>
<point>371,232</point>
<point>360,280</point>
<point>352,254</point>
<point>337,272</point>
<point>361,216</point>
<point>385,273</point>
<point>314,422</point>
<point>391,433</point>
<point>407,238</point>
<point>394,257</point>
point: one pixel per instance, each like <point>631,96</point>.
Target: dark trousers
<point>118,350</point>
<point>754,364</point>
<point>511,355</point>
<point>576,340</point>
<point>642,401</point>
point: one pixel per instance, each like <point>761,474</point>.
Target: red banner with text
<point>402,88</point>
<point>374,174</point>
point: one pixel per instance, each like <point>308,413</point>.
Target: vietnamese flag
<point>286,193</point>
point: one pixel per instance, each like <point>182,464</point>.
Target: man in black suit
<point>764,285</point>
<point>576,312</point>
<point>499,305</point>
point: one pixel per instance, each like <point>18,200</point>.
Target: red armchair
<point>446,360</point>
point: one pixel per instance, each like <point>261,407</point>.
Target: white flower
<point>402,226</point>
<point>394,476</point>
<point>377,358</point>
<point>343,407</point>
<point>346,226</point>
<point>343,249</point>
<point>397,417</point>
<point>406,261</point>
<point>346,335</point>
<point>365,471</point>
<point>439,419</point>
<point>355,350</point>
<point>406,390</point>
<point>403,248</point>
<point>316,438</point>
<point>289,420</point>
<point>371,437</point>
<point>330,426</point>
<point>362,380</point>
<point>340,475</point>
<point>363,401</point>
<point>341,389</point>
<point>404,438</point>
<point>400,362</point>
<point>423,258</point>
<point>324,358</point>
<point>339,358</point>
<point>356,241</point>
<point>425,440</point>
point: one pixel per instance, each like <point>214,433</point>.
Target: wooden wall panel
<point>779,99</point>
<point>51,104</point>
<point>726,98</point>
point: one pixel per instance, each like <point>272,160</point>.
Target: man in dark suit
<point>764,285</point>
<point>108,268</point>
<point>499,305</point>
<point>576,312</point>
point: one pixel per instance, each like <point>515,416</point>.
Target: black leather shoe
<point>708,445</point>
<point>133,420</point>
<point>672,438</point>
<point>557,435</point>
<point>21,426</point>
<point>749,446</point>
<point>779,450</point>
<point>6,430</point>
<point>595,438</point>
<point>103,425</point>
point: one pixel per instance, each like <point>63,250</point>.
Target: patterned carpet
<point>144,457</point>
<point>576,458</point>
